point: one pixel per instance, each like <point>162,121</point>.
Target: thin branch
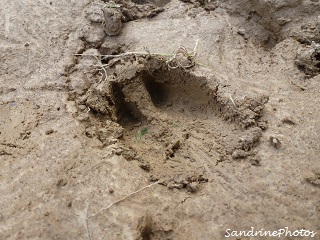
<point>195,50</point>
<point>233,103</point>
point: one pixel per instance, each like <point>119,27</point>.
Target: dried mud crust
<point>188,125</point>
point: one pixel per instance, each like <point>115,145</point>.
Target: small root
<point>124,198</point>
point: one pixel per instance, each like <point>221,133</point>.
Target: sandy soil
<point>212,124</point>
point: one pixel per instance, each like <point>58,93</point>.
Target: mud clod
<point>288,120</point>
<point>145,166</point>
<point>172,149</point>
<point>112,21</point>
<point>314,179</point>
<point>308,60</point>
<point>97,102</point>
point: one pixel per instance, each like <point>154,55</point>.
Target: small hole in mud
<point>157,91</point>
<point>127,113</point>
<point>301,68</point>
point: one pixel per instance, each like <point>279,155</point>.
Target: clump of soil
<point>106,20</point>
<point>308,60</point>
<point>188,125</point>
<point>112,14</point>
<point>112,21</point>
<point>207,5</point>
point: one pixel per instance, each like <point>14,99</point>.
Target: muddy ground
<point>211,124</point>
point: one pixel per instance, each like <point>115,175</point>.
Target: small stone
<point>145,166</point>
<point>175,145</point>
<point>49,131</point>
<point>275,142</point>
<point>62,182</point>
<point>263,124</point>
<point>241,32</point>
<point>94,13</point>
<point>173,184</point>
<point>90,132</point>
<point>255,162</point>
<point>170,185</point>
<point>239,153</point>
<point>83,117</point>
<point>128,154</point>
<point>82,107</point>
<point>192,187</point>
<point>288,120</point>
<point>282,21</point>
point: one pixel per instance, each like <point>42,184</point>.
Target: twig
<point>299,86</point>
<point>222,185</point>
<point>122,199</point>
<point>233,103</point>
<point>195,49</point>
<point>86,220</point>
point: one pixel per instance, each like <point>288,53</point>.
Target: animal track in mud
<point>188,126</point>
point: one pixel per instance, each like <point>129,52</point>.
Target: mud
<point>149,119</point>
